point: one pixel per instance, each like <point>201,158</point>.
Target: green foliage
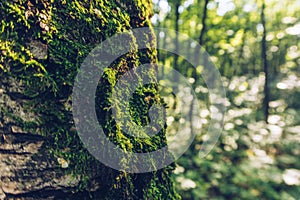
<point>252,160</point>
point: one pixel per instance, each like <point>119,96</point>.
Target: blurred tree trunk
<point>265,65</point>
<point>177,15</point>
<point>42,45</point>
<point>196,58</point>
<point>176,63</point>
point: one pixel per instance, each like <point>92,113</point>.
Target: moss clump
<point>42,46</point>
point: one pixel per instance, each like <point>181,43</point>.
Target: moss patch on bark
<point>42,46</point>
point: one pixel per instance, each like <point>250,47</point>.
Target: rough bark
<point>28,171</point>
<point>42,45</point>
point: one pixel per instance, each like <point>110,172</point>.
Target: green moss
<point>69,30</point>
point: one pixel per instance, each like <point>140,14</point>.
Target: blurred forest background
<point>255,45</point>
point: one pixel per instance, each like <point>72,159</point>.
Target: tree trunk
<point>265,65</point>
<point>196,59</point>
<point>43,44</point>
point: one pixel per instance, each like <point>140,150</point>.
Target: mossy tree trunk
<point>43,43</point>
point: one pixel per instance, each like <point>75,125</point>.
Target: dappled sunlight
<point>294,30</point>
<point>256,157</point>
<point>249,90</point>
<point>186,184</point>
<point>291,176</point>
<point>225,6</point>
<point>234,113</point>
<point>259,157</point>
<point>289,83</point>
<point>260,137</point>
